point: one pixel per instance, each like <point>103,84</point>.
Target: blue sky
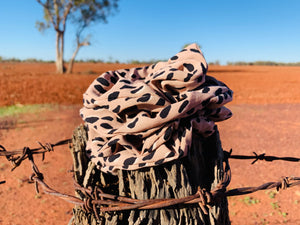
<point>228,31</point>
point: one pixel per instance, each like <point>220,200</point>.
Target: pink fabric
<point>143,117</point>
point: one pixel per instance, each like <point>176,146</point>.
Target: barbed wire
<point>262,157</point>
<point>26,152</point>
<point>97,201</point>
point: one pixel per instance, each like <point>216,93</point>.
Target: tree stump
<point>202,167</point>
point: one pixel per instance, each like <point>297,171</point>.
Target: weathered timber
<point>202,167</point>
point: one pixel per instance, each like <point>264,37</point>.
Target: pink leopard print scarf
<point>143,117</point>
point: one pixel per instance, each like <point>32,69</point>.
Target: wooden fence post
<point>202,167</point>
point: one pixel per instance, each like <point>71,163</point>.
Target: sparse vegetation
<point>14,110</point>
<point>248,200</point>
<point>150,61</point>
<point>271,193</point>
<point>262,63</point>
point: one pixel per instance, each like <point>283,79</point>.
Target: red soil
<point>266,119</point>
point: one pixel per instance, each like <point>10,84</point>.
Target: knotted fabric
<point>144,117</point>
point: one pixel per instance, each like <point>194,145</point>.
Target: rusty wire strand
<point>24,153</point>
<point>262,157</point>
<point>95,200</point>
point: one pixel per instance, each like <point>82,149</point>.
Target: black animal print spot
<point>122,74</point>
<point>170,76</point>
<point>205,90</point>
<point>165,112</point>
<point>195,50</point>
<point>159,162</point>
<point>170,97</point>
<point>184,96</point>
<point>110,167</point>
<point>174,57</point>
<point>129,161</point>
<point>103,81</point>
<point>106,125</point>
<point>168,133</point>
<point>98,139</point>
<point>150,149</point>
<point>109,118</point>
<point>132,124</point>
<point>183,105</point>
<point>113,96</point>
<point>203,68</point>
<point>218,91</point>
<point>113,80</point>
<point>189,66</point>
<point>142,164</point>
<point>127,87</point>
<point>225,96</point>
<point>112,131</point>
<point>125,81</point>
<point>99,88</point>
<point>113,157</point>
<point>117,109</point>
<point>144,98</point>
<point>220,100</point>
<point>188,77</point>
<point>171,154</point>
<point>150,156</point>
<point>101,107</point>
<point>161,102</point>
<point>157,75</point>
<point>113,142</point>
<point>91,119</point>
<point>136,90</point>
<point>119,120</point>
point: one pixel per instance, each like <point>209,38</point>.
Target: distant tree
<point>81,13</point>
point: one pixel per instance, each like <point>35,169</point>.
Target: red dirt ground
<point>266,119</point>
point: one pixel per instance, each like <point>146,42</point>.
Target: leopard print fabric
<point>144,117</point>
